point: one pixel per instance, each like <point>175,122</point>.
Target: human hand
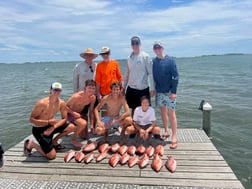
<point>52,121</point>
<point>173,96</point>
<point>48,131</point>
<point>101,124</point>
<point>152,93</point>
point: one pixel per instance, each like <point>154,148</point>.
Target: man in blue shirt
<point>165,75</point>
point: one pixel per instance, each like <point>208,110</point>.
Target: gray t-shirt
<point>138,73</point>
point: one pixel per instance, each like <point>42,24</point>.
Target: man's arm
<point>126,110</point>
<point>97,109</point>
<point>149,65</point>
<point>69,104</point>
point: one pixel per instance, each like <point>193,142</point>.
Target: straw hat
<point>88,51</point>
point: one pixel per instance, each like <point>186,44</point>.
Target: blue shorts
<point>107,120</point>
<point>163,99</point>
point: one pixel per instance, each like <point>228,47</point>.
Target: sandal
<point>59,147</point>
<point>27,151</point>
<point>164,137</point>
<point>174,145</point>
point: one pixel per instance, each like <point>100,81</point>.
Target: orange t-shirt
<point>106,73</point>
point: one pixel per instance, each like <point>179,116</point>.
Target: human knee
<point>51,155</point>
<point>156,130</point>
<point>99,131</point>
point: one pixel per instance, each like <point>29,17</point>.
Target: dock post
<point>1,155</point>
<point>206,117</point>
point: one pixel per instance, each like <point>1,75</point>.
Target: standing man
<point>46,125</point>
<point>107,72</point>
<point>84,70</point>
<point>138,75</point>
<point>166,78</point>
<point>84,98</point>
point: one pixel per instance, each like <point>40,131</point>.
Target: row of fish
<point>124,155</point>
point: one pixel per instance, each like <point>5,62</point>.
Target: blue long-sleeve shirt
<point>165,75</point>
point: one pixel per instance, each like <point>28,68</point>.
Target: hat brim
<point>83,55</point>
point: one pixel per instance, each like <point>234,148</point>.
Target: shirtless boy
<point>75,106</point>
<point>45,125</point>
<point>114,102</point>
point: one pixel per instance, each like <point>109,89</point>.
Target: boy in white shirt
<point>144,120</point>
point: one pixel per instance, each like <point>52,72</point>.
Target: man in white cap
<point>166,78</point>
<point>84,70</point>
<point>107,72</point>
<point>45,125</point>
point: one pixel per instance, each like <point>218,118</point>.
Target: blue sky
<point>59,30</point>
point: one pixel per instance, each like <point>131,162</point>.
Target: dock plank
<point>199,164</point>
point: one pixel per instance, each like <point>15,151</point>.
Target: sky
<point>59,30</point>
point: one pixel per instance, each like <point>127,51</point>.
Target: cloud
<point>64,28</point>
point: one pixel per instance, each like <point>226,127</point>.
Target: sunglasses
<point>91,69</point>
<point>157,47</point>
<point>57,90</point>
<point>134,43</point>
<point>104,54</point>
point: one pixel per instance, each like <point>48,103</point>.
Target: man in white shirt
<point>84,70</point>
<point>138,76</point>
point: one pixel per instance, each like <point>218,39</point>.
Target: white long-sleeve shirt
<point>138,73</point>
<point>81,73</point>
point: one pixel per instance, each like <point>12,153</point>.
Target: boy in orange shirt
<point>107,72</point>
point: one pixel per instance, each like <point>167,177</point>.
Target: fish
<point>144,161</point>
<point>101,156</point>
<point>171,164</point>
<point>89,157</point>
<point>124,159</point>
<point>157,163</point>
<point>133,161</point>
<point>113,161</point>
<point>103,147</point>
<point>150,151</point>
<point>131,150</point>
<point>69,155</point>
<point>79,156</point>
<point>140,149</point>
<point>115,147</point>
<point>159,150</point>
<point>90,147</point>
<point>123,149</point>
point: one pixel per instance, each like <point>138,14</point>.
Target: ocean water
<point>223,81</point>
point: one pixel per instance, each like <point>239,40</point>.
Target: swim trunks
<point>107,119</point>
<point>45,142</point>
<point>163,99</point>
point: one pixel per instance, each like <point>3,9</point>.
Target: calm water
<point>223,81</point>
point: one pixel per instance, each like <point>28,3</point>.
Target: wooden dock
<point>199,165</point>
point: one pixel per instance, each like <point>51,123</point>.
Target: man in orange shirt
<point>107,71</point>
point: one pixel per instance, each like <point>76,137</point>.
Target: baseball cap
<point>56,86</point>
<point>104,50</point>
<point>135,40</point>
<point>157,44</point>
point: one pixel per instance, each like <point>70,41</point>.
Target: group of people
<point>100,94</point>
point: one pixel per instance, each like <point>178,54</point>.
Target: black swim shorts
<point>45,142</point>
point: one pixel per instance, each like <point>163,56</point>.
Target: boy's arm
<point>97,109</point>
<point>126,110</point>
